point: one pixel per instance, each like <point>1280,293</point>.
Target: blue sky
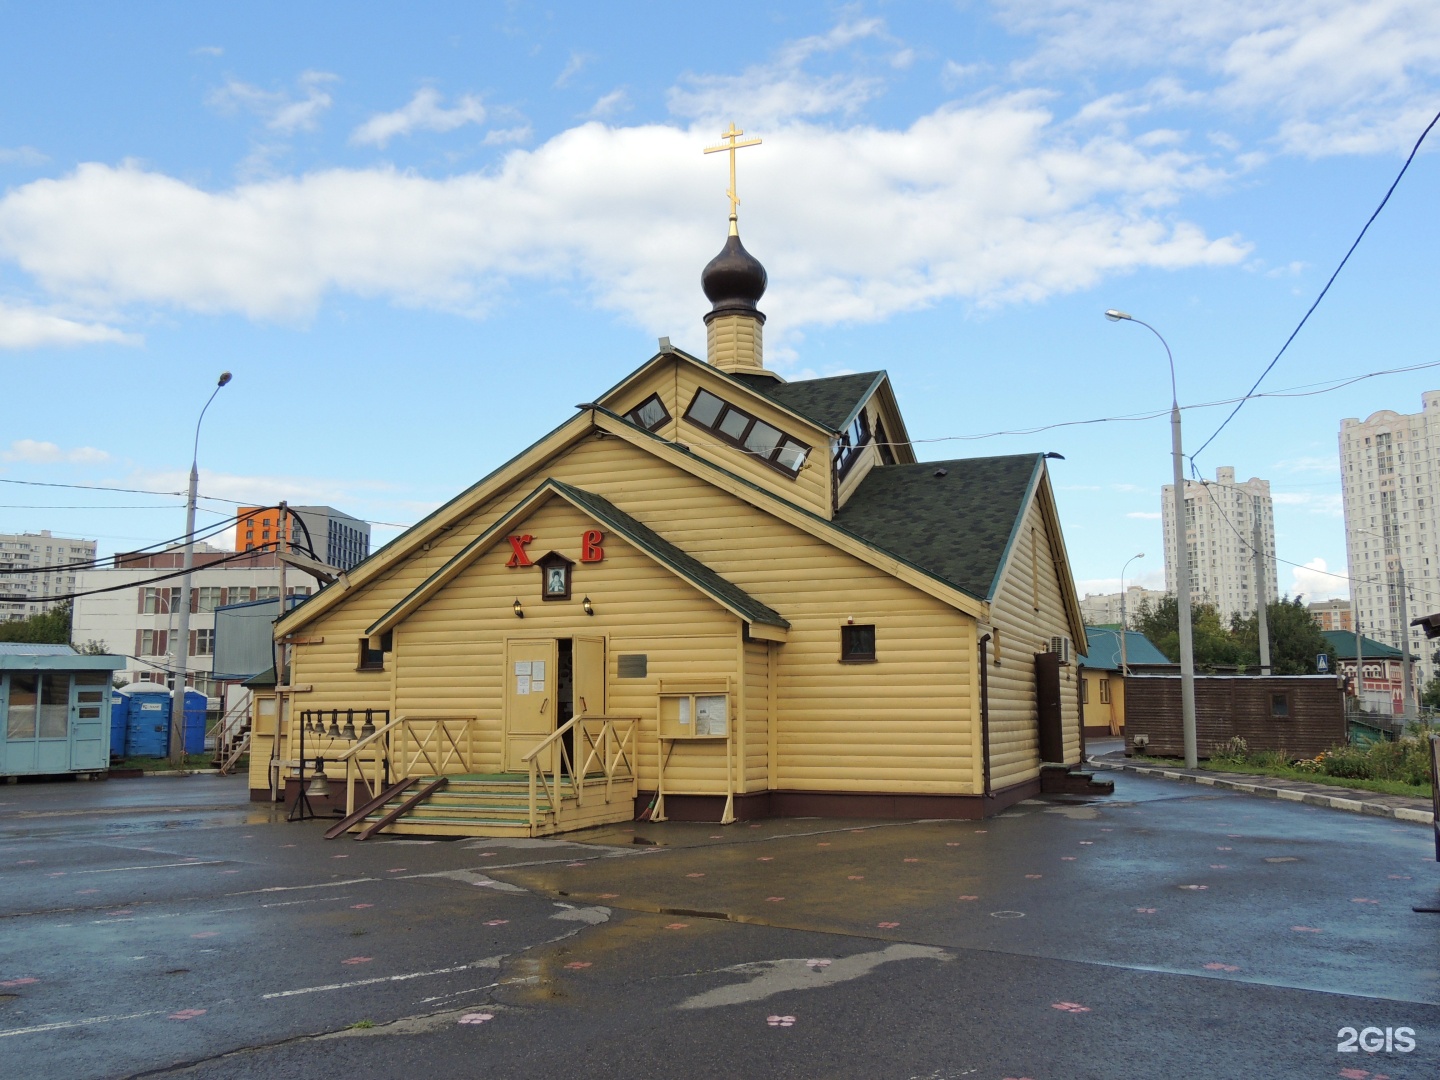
<point>419,235</point>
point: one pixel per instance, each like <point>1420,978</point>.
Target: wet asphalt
<point>168,927</point>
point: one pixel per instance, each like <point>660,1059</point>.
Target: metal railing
<point>603,743</point>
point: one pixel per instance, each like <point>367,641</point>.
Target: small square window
<point>1280,706</point>
<point>374,659</point>
<point>857,644</point>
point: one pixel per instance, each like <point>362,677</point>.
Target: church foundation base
<point>826,804</point>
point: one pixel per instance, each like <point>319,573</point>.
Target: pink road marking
<point>817,963</point>
<point>766,858</point>
<point>1399,877</point>
<point>125,911</point>
<point>1215,966</point>
<point>1147,910</point>
<point>1219,866</point>
<point>1067,858</point>
<point>1087,841</point>
<point>823,843</point>
<point>1196,888</point>
<point>187,1014</point>
<point>773,899</point>
<point>717,836</point>
<point>26,862</point>
<point>19,982</point>
<point>358,960</point>
<point>1306,929</point>
<point>358,907</point>
<point>780,1021</point>
<point>1070,1007</point>
<point>887,925</point>
<point>694,875</point>
<point>575,864</point>
<point>1032,877</point>
<point>855,877</point>
<point>578,965</point>
<point>982,830</point>
<point>912,860</point>
<point>497,922</point>
<point>952,843</point>
<point>967,896</point>
<point>85,892</point>
<point>1363,900</point>
<point>339,856</point>
<point>1224,849</point>
<point>476,1018</point>
<point>608,895</point>
<point>397,870</point>
<point>677,926</point>
<point>206,933</point>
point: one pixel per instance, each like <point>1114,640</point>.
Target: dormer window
<point>851,443</point>
<point>650,414</point>
<point>762,441</point>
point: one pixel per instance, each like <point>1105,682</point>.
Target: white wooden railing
<point>410,746</point>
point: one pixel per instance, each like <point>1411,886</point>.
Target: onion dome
<point>734,281</point>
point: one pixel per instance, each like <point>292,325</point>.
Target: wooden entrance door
<point>589,668</point>
<point>530,696</point>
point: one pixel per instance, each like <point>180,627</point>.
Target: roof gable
<point>697,574</point>
<point>830,402</point>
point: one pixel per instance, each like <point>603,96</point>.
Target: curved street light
<point>182,635</point>
<point>1182,554</point>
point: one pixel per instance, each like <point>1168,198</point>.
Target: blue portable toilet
<point>147,733</point>
<point>119,722</point>
<point>196,705</point>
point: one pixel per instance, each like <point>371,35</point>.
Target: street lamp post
<point>1182,555</point>
<point>182,635</point>
<point>1124,622</point>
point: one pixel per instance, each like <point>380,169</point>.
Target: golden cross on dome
<point>733,134</point>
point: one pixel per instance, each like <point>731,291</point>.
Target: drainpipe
<point>985,713</point>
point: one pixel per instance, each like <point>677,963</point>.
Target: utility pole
<point>1405,663</point>
<point>1359,662</point>
<point>276,763</point>
<point>1262,598</point>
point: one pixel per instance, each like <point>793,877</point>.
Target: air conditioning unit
<point>1060,646</point>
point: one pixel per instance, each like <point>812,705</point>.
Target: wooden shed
<point>710,593</point>
<point>1302,715</point>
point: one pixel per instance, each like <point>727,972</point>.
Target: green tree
<point>1295,640</point>
<point>1214,645</point>
<point>48,628</point>
<point>1431,695</point>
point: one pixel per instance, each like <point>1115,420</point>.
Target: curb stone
<point>1332,802</point>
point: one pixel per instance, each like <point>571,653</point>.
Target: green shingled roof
<point>829,402</point>
<point>688,567</point>
<point>1105,649</point>
<point>956,526</point>
<point>1342,646</point>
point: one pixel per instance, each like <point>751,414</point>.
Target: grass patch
<point>1289,772</point>
<point>155,764</point>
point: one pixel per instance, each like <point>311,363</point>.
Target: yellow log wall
<point>903,724</point>
<point>1027,611</point>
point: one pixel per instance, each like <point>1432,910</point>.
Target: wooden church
<point>709,594</point>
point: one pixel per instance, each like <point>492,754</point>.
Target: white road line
<point>155,866</point>
<point>488,962</point>
<point>294,888</point>
<point>76,1023</point>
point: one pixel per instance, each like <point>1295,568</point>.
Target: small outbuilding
<point>1113,655</point>
<point>56,709</point>
<point>1302,715</point>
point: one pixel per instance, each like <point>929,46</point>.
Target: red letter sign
<point>517,551</point>
<point>590,549</point>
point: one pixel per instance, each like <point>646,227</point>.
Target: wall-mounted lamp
<point>587,607</point>
<point>519,611</point>
<point>850,620</point>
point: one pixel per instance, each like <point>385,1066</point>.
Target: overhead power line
<point>1306,317</point>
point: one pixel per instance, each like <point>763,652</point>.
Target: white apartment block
<point>1220,518</point>
<point>1390,479</point>
<point>1103,609</point>
<point>139,619</point>
<point>37,566</point>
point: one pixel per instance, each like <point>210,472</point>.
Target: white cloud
<point>1314,582</point>
<point>48,453</point>
<point>616,100</point>
<point>28,328</point>
<point>1143,515</point>
<point>424,112</point>
<point>282,112</point>
<point>572,67</point>
<point>508,136</point>
<point>1336,76</point>
<point>988,204</point>
<point>207,50</point>
<point>21,155</point>
<point>953,74</point>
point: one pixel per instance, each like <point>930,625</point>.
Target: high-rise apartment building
<point>1220,517</point>
<point>1103,609</point>
<point>339,539</point>
<point>1390,478</point>
<point>36,568</point>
